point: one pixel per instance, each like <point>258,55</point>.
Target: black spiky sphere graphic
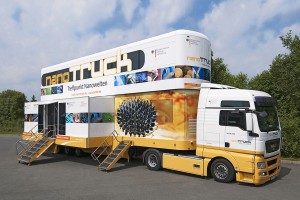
<point>137,117</point>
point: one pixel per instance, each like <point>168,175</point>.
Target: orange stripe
<point>63,137</point>
<point>28,134</point>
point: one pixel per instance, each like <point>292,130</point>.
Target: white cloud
<point>160,14</point>
<point>128,8</point>
<point>43,33</point>
<point>294,27</point>
<point>240,34</point>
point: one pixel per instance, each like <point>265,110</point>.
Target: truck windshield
<point>266,114</point>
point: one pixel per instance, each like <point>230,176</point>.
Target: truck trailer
<point>153,99</point>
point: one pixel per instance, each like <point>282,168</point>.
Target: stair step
<point>110,159</point>
<point>29,154</point>
<point>32,152</point>
<point>113,155</point>
<point>26,158</point>
<point>102,168</point>
<point>117,151</point>
<point>105,165</point>
<point>24,161</point>
<point>34,149</point>
<point>42,142</point>
<point>37,145</point>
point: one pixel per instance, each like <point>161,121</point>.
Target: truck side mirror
<point>249,125</point>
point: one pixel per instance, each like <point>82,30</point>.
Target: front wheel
<point>153,160</point>
<point>222,170</point>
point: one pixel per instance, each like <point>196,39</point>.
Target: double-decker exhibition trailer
<point>153,99</point>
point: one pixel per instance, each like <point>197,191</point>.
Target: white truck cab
<point>241,126</point>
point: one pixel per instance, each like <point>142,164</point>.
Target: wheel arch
<point>149,150</point>
<point>230,159</point>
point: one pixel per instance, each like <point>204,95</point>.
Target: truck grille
<point>272,162</point>
<point>272,171</point>
<point>272,145</point>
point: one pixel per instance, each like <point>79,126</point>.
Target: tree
<point>262,82</point>
<point>282,82</point>
<point>221,75</point>
<point>11,111</point>
<point>285,70</point>
<point>219,72</point>
<point>11,105</point>
<point>240,80</point>
<point>33,99</point>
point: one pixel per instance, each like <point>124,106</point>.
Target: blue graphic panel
<point>69,118</point>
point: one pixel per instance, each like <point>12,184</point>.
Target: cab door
<point>236,136</point>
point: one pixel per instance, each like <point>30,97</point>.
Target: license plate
<point>273,177</point>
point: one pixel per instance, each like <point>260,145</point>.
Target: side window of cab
<point>231,118</point>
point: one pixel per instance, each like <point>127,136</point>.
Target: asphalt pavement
<point>58,176</point>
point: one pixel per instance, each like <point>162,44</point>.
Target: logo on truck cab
<point>108,66</point>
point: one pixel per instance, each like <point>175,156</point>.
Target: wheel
<point>68,150</point>
<point>132,152</point>
<point>60,149</point>
<point>153,160</point>
<point>79,152</point>
<point>222,170</point>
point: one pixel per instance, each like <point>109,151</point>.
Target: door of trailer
<point>48,118</point>
<point>62,118</point>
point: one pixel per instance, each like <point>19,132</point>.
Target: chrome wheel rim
<point>152,160</point>
<point>221,171</point>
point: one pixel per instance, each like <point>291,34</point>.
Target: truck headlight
<point>262,173</point>
<point>261,165</point>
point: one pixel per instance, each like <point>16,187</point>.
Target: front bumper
<point>271,171</point>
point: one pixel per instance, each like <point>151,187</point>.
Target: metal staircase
<point>113,155</point>
<point>34,146</point>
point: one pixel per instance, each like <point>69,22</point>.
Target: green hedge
<point>12,126</point>
<point>291,137</point>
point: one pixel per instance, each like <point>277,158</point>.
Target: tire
<point>153,160</point>
<point>68,150</point>
<point>79,152</point>
<point>60,149</point>
<point>222,170</point>
<point>132,152</point>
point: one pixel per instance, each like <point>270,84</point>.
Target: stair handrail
<point>32,140</point>
<point>42,144</point>
<point>119,154</point>
<point>114,134</point>
<point>32,137</point>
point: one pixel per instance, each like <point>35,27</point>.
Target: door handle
<point>227,144</point>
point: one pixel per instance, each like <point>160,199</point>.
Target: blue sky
<point>40,33</point>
